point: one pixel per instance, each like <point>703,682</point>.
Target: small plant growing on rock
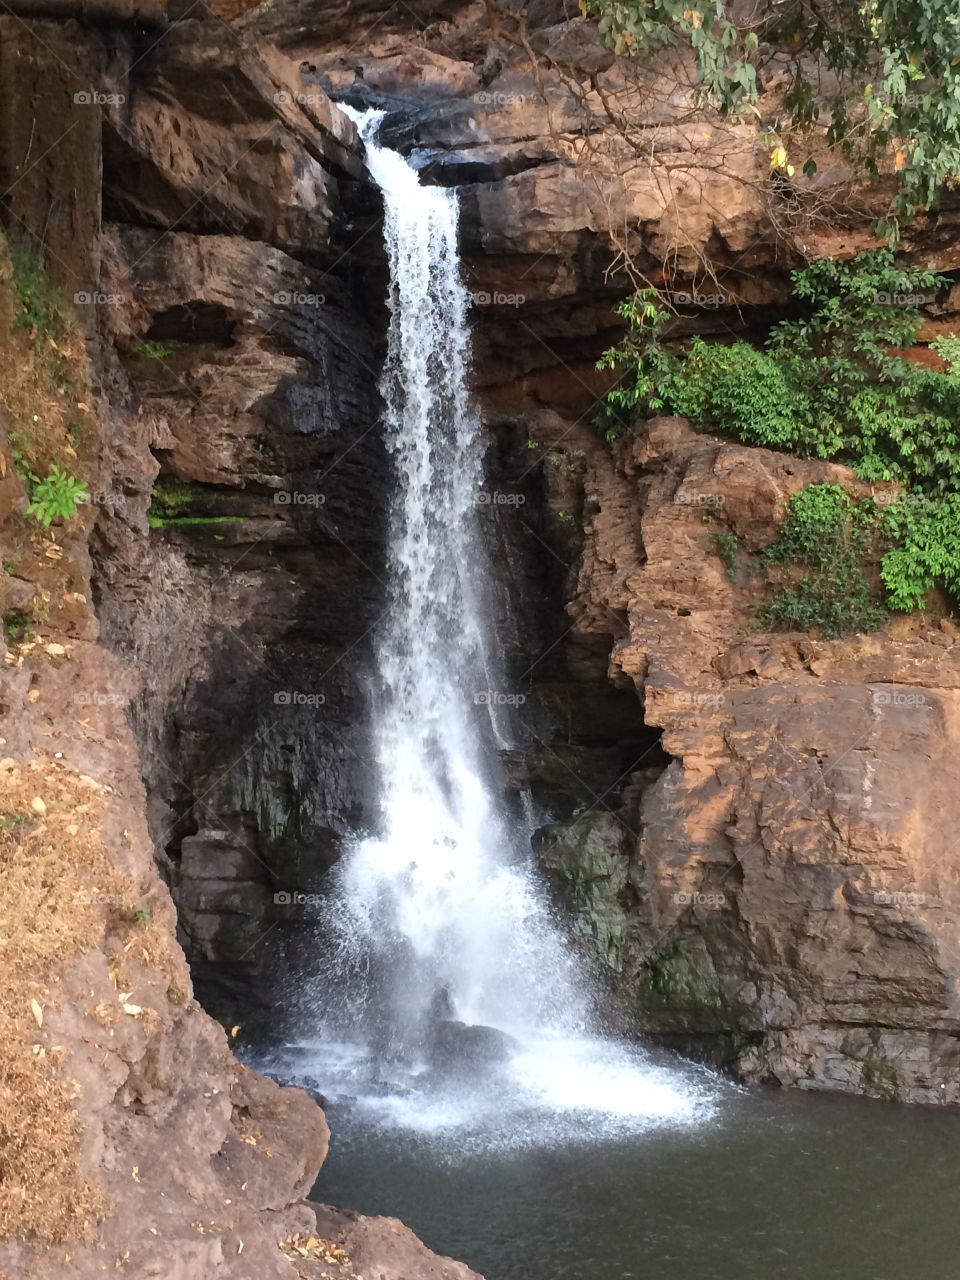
<point>829,534</point>
<point>17,627</point>
<point>728,549</point>
<point>40,310</point>
<point>55,497</point>
<point>152,350</point>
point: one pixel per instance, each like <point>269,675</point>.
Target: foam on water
<point>439,914</point>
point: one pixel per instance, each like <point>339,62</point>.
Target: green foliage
<point>739,387</point>
<point>175,502</point>
<point>813,531</point>
<point>44,313</point>
<point>728,549</point>
<point>830,383</point>
<point>17,626</point>
<point>926,532</point>
<point>55,497</point>
<point>647,365</point>
<point>41,309</point>
<point>883,74</point>
<point>830,535</point>
<point>152,350</point>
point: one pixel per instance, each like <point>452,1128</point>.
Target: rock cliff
<point>784,892</point>
<point>205,358</point>
<point>748,829</point>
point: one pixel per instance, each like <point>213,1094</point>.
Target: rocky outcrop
<point>785,891</point>
<point>571,165</point>
<point>225,297</point>
<point>183,629</point>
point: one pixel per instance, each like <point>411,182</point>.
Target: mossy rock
<point>590,859</point>
<point>681,988</point>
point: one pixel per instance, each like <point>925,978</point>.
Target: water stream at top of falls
<point>451,995</point>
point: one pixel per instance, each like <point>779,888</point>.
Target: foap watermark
<point>693,498</point>
<point>298,299</point>
<point>298,698</point>
<point>481,298</point>
<point>496,698</point>
<point>498,499</point>
<point>891,498</point>
<point>298,498</point>
<point>94,698</point>
<point>694,298</point>
<point>897,698</point>
<point>286,98</point>
<point>698,700</point>
<point>97,98</point>
<point>714,901</point>
<point>89,898</point>
<point>885,299</point>
<point>487,99</point>
<point>102,498</point>
<point>294,898</point>
<point>897,898</point>
<point>96,298</point>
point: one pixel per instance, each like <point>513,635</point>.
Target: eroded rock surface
<point>787,888</point>
<point>235,373</point>
<point>569,162</point>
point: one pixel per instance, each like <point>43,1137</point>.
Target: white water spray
<point>440,921</point>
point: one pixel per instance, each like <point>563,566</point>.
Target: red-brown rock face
<point>795,877</point>
<point>133,1142</point>
<point>569,163</point>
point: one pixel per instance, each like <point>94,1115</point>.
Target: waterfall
<point>446,956</point>
<point>435,898</point>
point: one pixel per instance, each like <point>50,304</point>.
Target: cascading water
<point>446,961</point>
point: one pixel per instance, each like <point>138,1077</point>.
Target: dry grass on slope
<point>54,874</point>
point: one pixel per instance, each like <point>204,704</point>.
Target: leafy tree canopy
<point>882,76</point>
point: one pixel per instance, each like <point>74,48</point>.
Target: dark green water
<point>770,1186</point>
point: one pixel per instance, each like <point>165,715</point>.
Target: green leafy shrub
<point>813,531</point>
<point>831,382</point>
<point>829,534</point>
<point>728,549</point>
<point>927,552</point>
<point>55,497</point>
<point>740,387</point>
<point>647,366</point>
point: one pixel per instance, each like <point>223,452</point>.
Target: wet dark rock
<point>458,1046</point>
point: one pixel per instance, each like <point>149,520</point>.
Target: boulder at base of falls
<point>453,1045</point>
